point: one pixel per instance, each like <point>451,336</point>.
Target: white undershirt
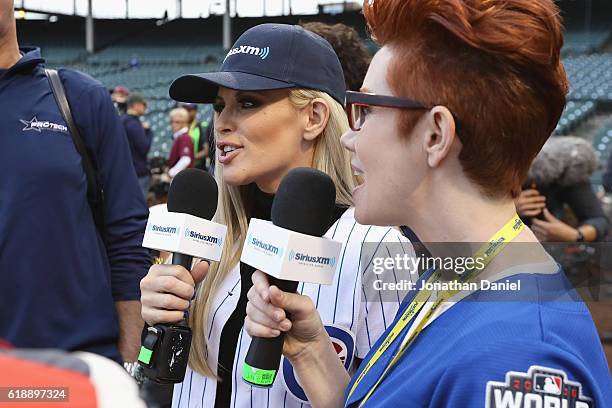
<point>180,132</point>
<point>184,161</point>
<point>180,165</point>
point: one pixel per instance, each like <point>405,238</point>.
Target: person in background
<point>607,176</point>
<point>67,283</point>
<point>559,179</point>
<point>139,137</point>
<point>353,55</point>
<point>198,131</point>
<point>119,95</point>
<point>181,154</point>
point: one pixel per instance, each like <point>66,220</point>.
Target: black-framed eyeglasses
<point>357,105</point>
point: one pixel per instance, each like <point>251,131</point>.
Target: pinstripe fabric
<point>341,305</point>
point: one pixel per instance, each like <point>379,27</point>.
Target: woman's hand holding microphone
<point>308,347</point>
<point>267,311</point>
<point>167,290</point>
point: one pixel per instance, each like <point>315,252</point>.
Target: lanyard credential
<point>487,252</point>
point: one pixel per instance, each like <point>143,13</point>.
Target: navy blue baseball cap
<point>265,57</point>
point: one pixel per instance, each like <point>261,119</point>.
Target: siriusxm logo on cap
<point>248,49</point>
<point>267,57</point>
<point>313,260</point>
<point>203,238</point>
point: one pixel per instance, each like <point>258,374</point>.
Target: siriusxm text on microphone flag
<point>185,234</point>
<point>290,255</point>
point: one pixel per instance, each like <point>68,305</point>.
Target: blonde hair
<point>329,157</point>
<point>180,113</point>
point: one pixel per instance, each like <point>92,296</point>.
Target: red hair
<point>494,63</point>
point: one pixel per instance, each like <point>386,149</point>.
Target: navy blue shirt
<point>139,139</point>
<point>59,277</point>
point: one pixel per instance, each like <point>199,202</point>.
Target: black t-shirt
<point>229,335</point>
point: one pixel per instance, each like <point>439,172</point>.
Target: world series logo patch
<point>541,387</point>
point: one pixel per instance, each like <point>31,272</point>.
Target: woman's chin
<point>366,214</point>
<point>235,177</point>
<point>361,208</point>
<point>362,215</point>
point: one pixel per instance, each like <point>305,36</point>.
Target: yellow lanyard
<point>487,252</point>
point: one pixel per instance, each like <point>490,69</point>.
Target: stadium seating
<point>583,43</point>
<point>130,55</point>
<point>573,115</point>
<point>152,78</point>
<point>63,54</point>
<point>590,76</point>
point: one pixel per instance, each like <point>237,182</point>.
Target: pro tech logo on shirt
<point>40,125</point>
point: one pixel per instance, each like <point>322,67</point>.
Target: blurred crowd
<point>192,138</point>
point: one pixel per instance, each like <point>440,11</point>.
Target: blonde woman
<point>278,105</point>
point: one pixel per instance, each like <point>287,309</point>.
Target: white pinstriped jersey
<point>353,320</point>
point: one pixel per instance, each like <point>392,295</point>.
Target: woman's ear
<point>440,135</point>
<point>316,117</point>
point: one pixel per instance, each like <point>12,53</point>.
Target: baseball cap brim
<point>202,88</point>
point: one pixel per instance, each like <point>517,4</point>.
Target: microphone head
<point>194,192</point>
<point>565,161</point>
<point>304,202</point>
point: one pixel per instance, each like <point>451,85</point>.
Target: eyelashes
<point>218,107</point>
<point>243,103</point>
<point>249,103</point>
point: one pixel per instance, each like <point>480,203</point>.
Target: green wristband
<point>257,376</point>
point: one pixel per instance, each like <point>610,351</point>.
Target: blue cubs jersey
<point>483,352</point>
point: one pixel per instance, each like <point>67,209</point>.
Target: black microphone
<point>165,348</point>
<point>193,192</point>
<point>304,203</point>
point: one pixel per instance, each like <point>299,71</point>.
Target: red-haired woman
<point>454,107</point>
